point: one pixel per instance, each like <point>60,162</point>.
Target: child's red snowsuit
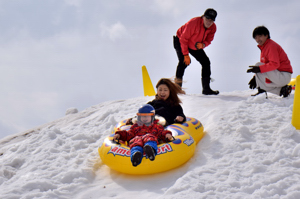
<point>139,135</point>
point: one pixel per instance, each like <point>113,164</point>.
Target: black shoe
<point>136,158</point>
<point>285,91</point>
<point>149,152</point>
<point>210,92</point>
<point>260,91</point>
<point>206,87</point>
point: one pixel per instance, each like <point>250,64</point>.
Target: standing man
<point>274,71</point>
<point>192,38</point>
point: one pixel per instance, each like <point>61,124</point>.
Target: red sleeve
<point>127,135</point>
<point>210,35</point>
<point>186,35</point>
<point>272,54</point>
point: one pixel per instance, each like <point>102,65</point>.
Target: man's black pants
<point>199,55</point>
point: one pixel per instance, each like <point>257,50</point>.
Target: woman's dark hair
<point>261,30</point>
<point>173,99</point>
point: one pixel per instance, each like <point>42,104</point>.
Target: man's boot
<point>285,91</point>
<point>259,91</point>
<point>206,90</point>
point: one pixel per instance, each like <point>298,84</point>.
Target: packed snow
<point>250,150</point>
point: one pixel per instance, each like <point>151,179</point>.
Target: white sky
<point>60,54</point>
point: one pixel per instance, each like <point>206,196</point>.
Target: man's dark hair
<point>261,30</point>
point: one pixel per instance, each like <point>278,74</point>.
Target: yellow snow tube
<point>169,155</point>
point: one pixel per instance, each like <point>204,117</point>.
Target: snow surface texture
<point>250,150</point>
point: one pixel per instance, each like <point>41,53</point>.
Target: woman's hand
<point>179,119</point>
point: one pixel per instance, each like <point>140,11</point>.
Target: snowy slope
<point>250,150</point>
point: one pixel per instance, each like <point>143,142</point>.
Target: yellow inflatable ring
<point>169,155</point>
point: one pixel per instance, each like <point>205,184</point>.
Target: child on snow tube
<point>144,135</point>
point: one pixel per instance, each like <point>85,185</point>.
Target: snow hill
<point>250,150</point>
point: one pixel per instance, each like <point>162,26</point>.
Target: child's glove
<point>129,121</point>
<point>169,137</point>
<point>116,137</point>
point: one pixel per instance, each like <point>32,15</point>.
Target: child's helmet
<point>146,110</point>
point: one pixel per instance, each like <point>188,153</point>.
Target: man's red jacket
<point>274,58</point>
<point>194,31</point>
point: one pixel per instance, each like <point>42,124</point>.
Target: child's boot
<point>136,155</point>
<point>136,158</point>
<point>149,152</point>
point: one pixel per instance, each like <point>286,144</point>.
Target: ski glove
<point>253,69</point>
<point>187,60</point>
<point>252,83</point>
<point>199,45</point>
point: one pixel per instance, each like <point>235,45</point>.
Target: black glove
<point>252,83</point>
<point>253,69</point>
